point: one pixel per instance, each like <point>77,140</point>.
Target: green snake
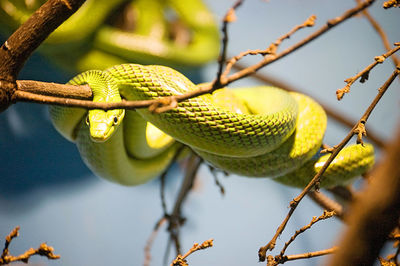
<point>177,33</point>
<point>257,132</point>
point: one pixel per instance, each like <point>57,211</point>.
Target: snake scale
<point>257,132</point>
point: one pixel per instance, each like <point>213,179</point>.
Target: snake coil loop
<point>261,131</point>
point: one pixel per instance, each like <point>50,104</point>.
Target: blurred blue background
<point>47,190</point>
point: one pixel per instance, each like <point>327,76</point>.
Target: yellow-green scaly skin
<point>270,133</point>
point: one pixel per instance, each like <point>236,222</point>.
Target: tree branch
<point>379,205</point>
<point>42,250</point>
<point>359,128</point>
<point>20,45</point>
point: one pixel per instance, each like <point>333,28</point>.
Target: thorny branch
<point>364,74</point>
<point>42,250</point>
<point>334,152</point>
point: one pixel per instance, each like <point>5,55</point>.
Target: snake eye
<point>87,120</point>
<point>115,120</point>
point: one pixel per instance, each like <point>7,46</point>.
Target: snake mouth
<point>101,132</point>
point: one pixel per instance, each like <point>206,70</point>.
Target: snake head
<point>102,124</point>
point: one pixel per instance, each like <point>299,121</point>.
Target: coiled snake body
<point>262,131</point>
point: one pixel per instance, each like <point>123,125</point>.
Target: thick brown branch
<point>55,89</point>
<point>20,45</point>
<point>316,179</point>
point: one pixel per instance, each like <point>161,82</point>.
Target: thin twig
<point>326,203</point>
<point>364,74</point>
<point>344,193</point>
<point>316,179</point>
<point>150,240</point>
<point>271,259</point>
<point>381,33</point>
<point>214,173</point>
<point>391,3</point>
<point>272,48</point>
<point>164,175</point>
<point>229,17</point>
<point>378,205</point>
<point>329,25</point>
<point>332,113</point>
<point>42,250</point>
<point>181,259</point>
<point>175,219</point>
<point>314,220</point>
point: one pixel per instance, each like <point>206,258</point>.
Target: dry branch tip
<point>42,250</point>
<point>181,259</point>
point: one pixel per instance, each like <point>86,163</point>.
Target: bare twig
<point>378,205</point>
<point>316,179</point>
<point>344,193</point>
<point>272,48</point>
<point>381,33</point>
<point>214,173</point>
<point>332,113</point>
<point>175,219</point>
<point>42,250</point>
<point>271,259</point>
<point>229,17</point>
<point>325,215</point>
<point>181,259</point>
<point>364,74</point>
<point>391,3</point>
<point>150,240</point>
<point>329,25</point>
<point>326,203</point>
